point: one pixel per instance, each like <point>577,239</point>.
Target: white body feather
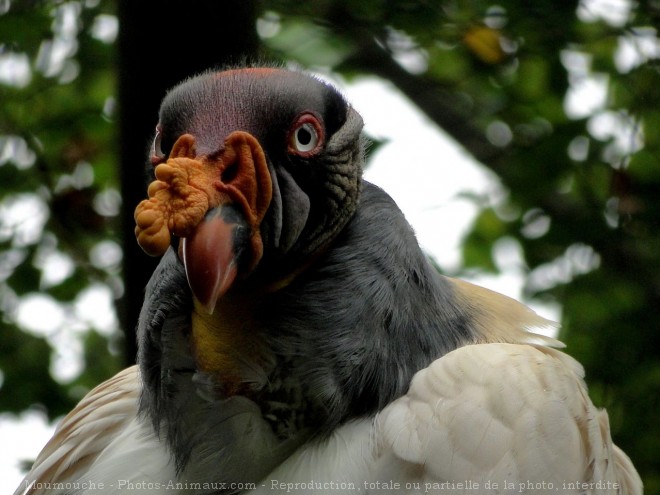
<point>485,418</point>
<point>102,446</point>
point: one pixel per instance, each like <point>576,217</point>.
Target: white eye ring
<point>305,138</point>
<point>157,155</point>
<point>155,147</point>
<point>306,135</point>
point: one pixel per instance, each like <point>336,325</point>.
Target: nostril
<point>229,174</point>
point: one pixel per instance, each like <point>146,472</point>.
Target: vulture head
<point>282,154</point>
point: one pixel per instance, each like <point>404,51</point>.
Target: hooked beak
<point>213,254</point>
<point>226,244</point>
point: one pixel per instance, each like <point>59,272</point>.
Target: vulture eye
<point>306,135</point>
<point>157,155</point>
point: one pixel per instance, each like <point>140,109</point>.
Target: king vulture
<point>295,338</point>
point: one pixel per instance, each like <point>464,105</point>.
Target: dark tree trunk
<point>161,43</point>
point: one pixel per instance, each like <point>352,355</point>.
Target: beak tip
<point>208,307</point>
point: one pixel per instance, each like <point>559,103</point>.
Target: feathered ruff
<point>485,418</point>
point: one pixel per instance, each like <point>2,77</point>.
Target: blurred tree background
<point>80,84</point>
